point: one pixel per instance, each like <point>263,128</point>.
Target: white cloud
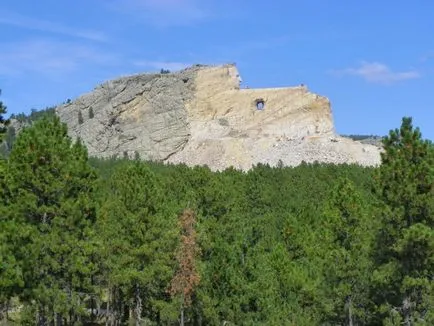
<point>375,72</point>
<point>157,65</point>
<point>48,58</point>
<point>13,19</point>
<point>165,13</point>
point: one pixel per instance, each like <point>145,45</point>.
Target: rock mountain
<point>201,116</point>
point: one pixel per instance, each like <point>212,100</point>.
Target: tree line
<point>86,241</point>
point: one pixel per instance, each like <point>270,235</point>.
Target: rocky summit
<point>201,116</point>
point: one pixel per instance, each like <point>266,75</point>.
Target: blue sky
<point>373,59</point>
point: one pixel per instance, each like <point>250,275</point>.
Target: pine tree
<point>11,278</point>
<point>49,189</point>
<point>139,239</point>
<point>187,277</point>
<point>405,249</point>
<point>348,266</point>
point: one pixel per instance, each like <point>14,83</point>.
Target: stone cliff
<point>201,116</point>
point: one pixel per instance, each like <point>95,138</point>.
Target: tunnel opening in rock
<point>260,104</point>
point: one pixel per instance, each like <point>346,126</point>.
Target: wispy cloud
<point>375,72</point>
<point>17,20</point>
<point>157,65</point>
<point>165,13</point>
<point>48,58</point>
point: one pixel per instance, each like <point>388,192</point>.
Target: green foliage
<point>164,71</point>
<point>50,212</point>
<point>24,120</point>
<point>139,237</point>
<point>34,115</point>
<point>317,244</point>
<point>348,264</point>
<point>405,245</point>
<point>264,240</point>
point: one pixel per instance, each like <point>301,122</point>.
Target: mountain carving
<point>201,116</point>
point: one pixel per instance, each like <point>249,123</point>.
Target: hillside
<point>120,242</point>
<point>201,116</point>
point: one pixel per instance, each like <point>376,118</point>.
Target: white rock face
<point>201,116</point>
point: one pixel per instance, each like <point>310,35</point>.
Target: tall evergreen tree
<point>348,266</point>
<point>405,250</point>
<point>11,278</point>
<point>139,240</point>
<point>49,189</point>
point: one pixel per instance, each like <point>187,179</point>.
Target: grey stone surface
<point>142,113</point>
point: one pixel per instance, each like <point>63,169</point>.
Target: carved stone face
<point>234,74</point>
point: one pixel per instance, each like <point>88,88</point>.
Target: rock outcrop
<point>201,116</point>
